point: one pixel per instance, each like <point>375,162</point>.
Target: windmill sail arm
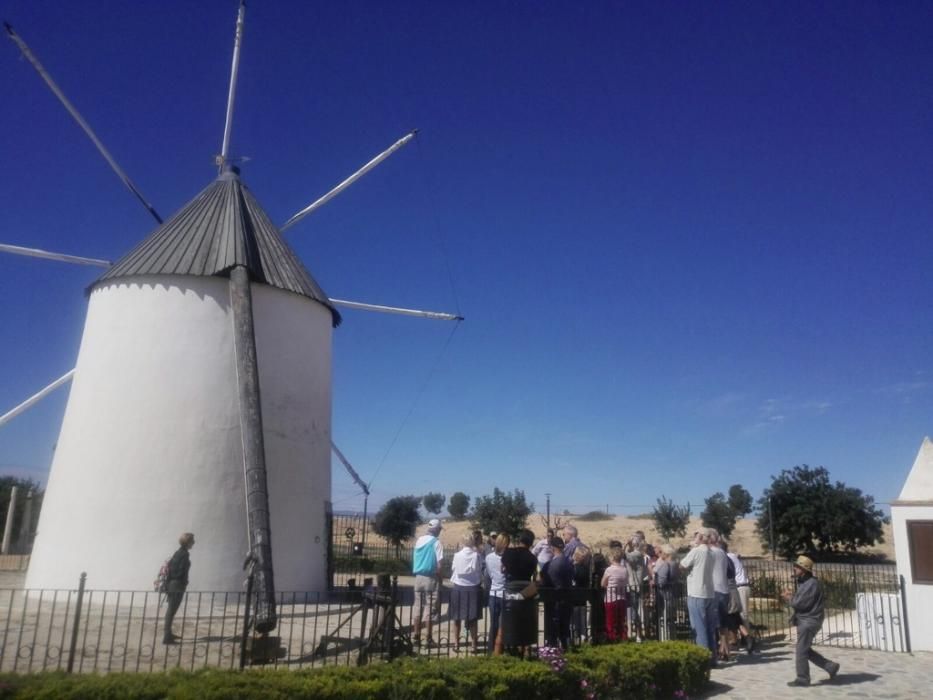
<point>349,181</point>
<point>349,467</point>
<point>53,86</point>
<point>36,398</point>
<point>231,94</point>
<point>436,315</point>
<point>48,255</point>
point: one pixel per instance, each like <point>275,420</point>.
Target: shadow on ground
<point>850,679</point>
<point>715,689</point>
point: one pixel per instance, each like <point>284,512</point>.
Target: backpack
<point>161,581</point>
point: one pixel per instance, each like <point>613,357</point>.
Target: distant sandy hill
<point>597,534</point>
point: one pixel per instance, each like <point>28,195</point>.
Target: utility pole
<point>771,527</point>
<point>548,518</point>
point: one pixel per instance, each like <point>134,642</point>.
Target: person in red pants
<point>615,581</point>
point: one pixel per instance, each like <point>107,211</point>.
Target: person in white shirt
<point>465,603</point>
<point>542,550</point>
<point>701,594</point>
<point>496,577</point>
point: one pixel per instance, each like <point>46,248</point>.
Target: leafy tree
<point>718,514</point>
<point>397,520</point>
<point>458,505</point>
<point>813,515</point>
<point>433,502</point>
<point>669,519</point>
<point>20,527</point>
<point>502,511</point>
<point>740,500</point>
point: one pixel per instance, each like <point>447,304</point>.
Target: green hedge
<point>366,565</point>
<point>651,670</point>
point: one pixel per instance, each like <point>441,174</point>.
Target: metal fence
<point>95,630</point>
<point>357,554</point>
<point>864,603</point>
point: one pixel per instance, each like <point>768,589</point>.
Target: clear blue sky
<point>692,241</point>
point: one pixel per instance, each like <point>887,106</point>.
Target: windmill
<point>200,399</point>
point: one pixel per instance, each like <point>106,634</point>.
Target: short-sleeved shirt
<point>429,552</point>
<point>615,581</point>
<point>720,569</point>
<point>494,572</point>
<point>699,563</point>
<point>519,564</point>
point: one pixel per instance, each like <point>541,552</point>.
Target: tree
<point>813,515</point>
<point>501,512</point>
<point>740,500</point>
<point>669,519</point>
<point>433,502</point>
<point>397,520</point>
<point>458,505</point>
<point>718,514</point>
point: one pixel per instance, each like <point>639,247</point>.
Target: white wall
<point>150,444</point>
<point>919,596</point>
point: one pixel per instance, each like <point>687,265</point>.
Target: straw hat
<point>805,563</point>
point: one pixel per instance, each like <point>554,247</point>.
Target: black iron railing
<point>88,630</point>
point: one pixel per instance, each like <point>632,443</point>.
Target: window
<point>920,542</point>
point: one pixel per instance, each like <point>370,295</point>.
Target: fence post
<point>390,619</point>
<point>77,622</point>
<point>246,613</point>
<point>904,616</point>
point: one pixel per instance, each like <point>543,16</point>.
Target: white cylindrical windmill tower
<point>153,441</point>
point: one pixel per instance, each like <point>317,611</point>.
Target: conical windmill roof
<point>221,228</point>
<point>919,484</point>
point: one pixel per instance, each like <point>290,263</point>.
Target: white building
<point>912,519</point>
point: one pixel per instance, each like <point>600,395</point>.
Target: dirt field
<point>597,534</point>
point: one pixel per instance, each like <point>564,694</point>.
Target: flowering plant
<point>554,657</point>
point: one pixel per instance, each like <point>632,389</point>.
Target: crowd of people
<point>632,591</point>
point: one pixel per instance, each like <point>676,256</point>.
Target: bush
<point>594,515</point>
<point>365,565</point>
<point>765,586</point>
<point>652,670</point>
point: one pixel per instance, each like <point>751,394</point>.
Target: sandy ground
<point>597,534</point>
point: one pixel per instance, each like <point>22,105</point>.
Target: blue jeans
<point>704,619</point>
<point>495,614</point>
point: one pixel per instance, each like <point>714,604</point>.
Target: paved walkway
<point>863,674</point>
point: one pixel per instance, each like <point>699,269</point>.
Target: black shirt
<point>519,564</point>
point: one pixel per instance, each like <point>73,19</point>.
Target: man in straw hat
<point>807,604</point>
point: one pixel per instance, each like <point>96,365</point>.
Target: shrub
<point>366,565</point>
<point>595,515</point>
<point>651,670</point>
<point>839,590</point>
